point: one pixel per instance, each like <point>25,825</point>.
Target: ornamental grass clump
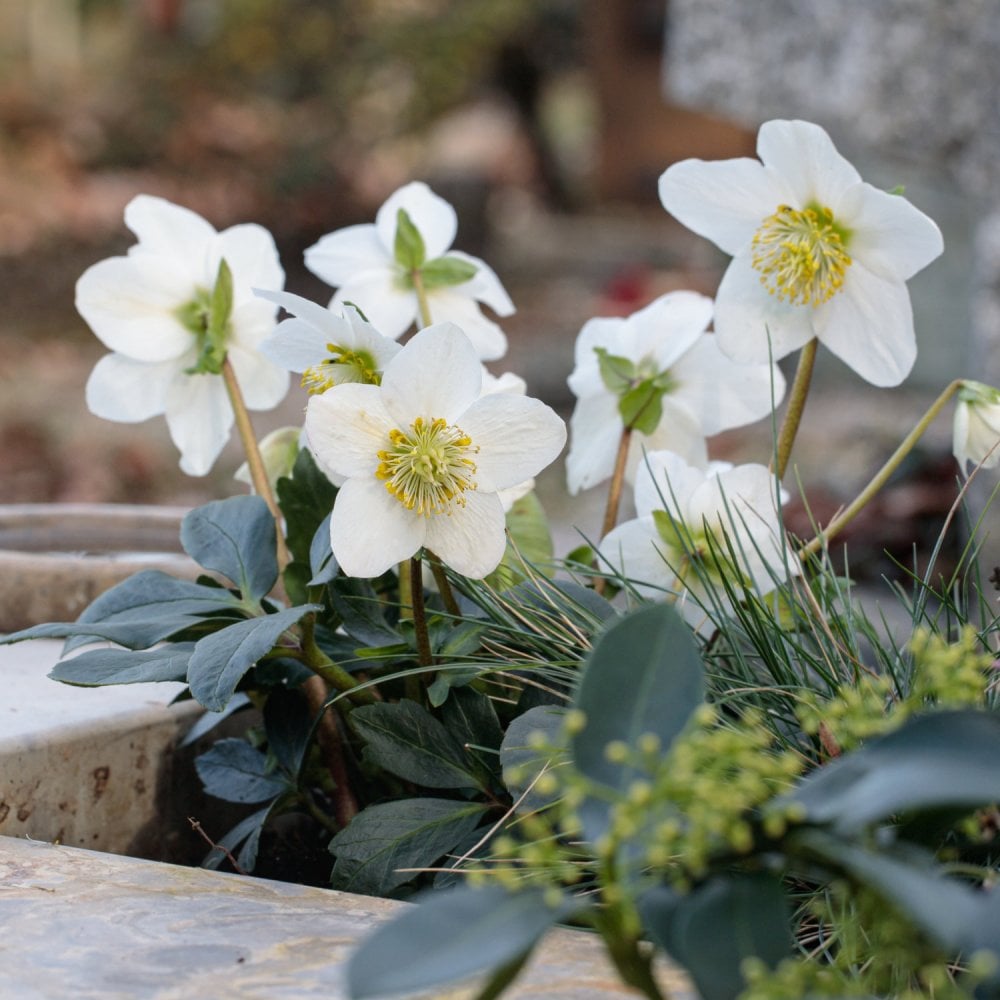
<point>688,734</point>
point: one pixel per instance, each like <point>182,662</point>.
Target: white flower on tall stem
<point>697,528</point>
<point>817,253</point>
<point>424,456</point>
<point>977,426</point>
<point>659,372</point>
<point>325,348</point>
<point>385,267</point>
<point>171,311</point>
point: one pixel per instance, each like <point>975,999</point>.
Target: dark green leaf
<point>518,757</point>
<point>409,833</point>
<point>454,934</point>
<point>209,720</point>
<point>362,613</point>
<point>236,772</point>
<point>617,373</point>
<point>246,832</point>
<point>220,660</point>
<point>408,741</point>
<point>234,537</point>
<point>470,717</point>
<point>119,666</point>
<point>941,759</point>
<point>641,408</point>
<point>288,724</point>
<point>719,924</point>
<point>444,272</point>
<point>409,249</point>
<point>306,499</point>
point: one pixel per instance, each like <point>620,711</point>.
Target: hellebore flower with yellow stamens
<point>424,455</point>
<point>660,373</point>
<point>326,349</point>
<point>817,253</point>
<point>977,426</point>
<point>377,267</point>
<point>696,528</point>
<point>171,312</point>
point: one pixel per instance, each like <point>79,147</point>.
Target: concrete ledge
<point>98,927</point>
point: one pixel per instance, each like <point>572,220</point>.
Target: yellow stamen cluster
<point>343,365</point>
<point>429,467</point>
<point>800,255</point>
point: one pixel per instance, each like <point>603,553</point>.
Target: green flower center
<point>428,468</point>
<point>343,365</point>
<point>801,254</point>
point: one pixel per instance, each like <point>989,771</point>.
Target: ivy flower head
<point>698,528</point>
<point>817,253</point>
<point>380,267</point>
<point>660,373</point>
<point>977,426</point>
<point>172,311</point>
<point>424,455</point>
<point>325,348</point>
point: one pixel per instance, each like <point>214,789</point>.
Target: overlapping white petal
<point>437,376</point>
<point>133,304</point>
<point>886,239</point>
<point>976,438</point>
<point>360,262</point>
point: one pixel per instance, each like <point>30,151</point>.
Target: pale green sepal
<point>409,249</point>
<point>444,272</point>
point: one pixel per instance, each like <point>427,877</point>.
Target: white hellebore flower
<point>696,527</point>
<point>424,455</point>
<point>156,308</point>
<point>377,267</point>
<point>326,349</point>
<point>660,372</point>
<point>817,253</point>
<point>977,426</point>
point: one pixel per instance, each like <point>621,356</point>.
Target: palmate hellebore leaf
<point>234,537</point>
<point>384,839</point>
<point>644,675</point>
<point>451,934</point>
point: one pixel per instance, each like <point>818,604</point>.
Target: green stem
<point>881,477</point>
<point>443,585</point>
<point>617,482</point>
<point>796,405</point>
<point>422,301</point>
<point>258,472</point>
<point>625,951</point>
<point>334,674</point>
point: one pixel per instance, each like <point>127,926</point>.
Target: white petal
<point>665,481</point>
<point>869,326</point>
<point>485,286</point>
<point>449,305</point>
<point>169,230</point>
<point>338,257</point>
<point>722,393</point>
<point>199,418</point>
<point>436,374</point>
<point>678,431</point>
<point>129,391</point>
<point>431,214</point>
<point>889,235</point>
<point>296,345</point>
<point>747,316</point>
<point>329,324</point>
<point>806,158</point>
<point>517,437</point>
<point>366,338</point>
<point>669,325</point>
<point>508,382</point>
<point>252,257</point>
<point>371,531</point>
<point>595,430</point>
<point>130,303</point>
<point>262,383</point>
<point>725,201</point>
<point>391,310</point>
<point>346,428</point>
<point>636,550</point>
<point>470,539</point>
<point>612,334</point>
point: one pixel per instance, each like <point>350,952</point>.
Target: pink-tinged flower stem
<point>882,476</point>
<point>796,406</point>
<point>424,655</point>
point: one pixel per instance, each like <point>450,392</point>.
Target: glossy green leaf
<point>220,660</point>
<point>409,249</point>
<point>119,666</point>
<point>408,741</point>
<point>237,772</point>
<point>451,934</point>
<point>234,537</point>
<point>444,272</point>
<point>386,838</point>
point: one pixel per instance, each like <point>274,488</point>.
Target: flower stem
<point>334,674</point>
<point>881,477</point>
<point>444,587</point>
<point>423,303</point>
<point>345,805</point>
<point>614,496</point>
<point>258,473</point>
<point>796,404</point>
<point>419,613</point>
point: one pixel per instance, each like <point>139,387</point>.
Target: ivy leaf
<point>408,833</point>
<point>234,537</point>
<point>617,373</point>
<point>641,407</point>
<point>409,249</point>
<point>237,772</point>
<point>443,272</point>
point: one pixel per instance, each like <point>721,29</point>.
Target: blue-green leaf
<point>119,666</point>
<point>521,760</point>
<point>237,772</point>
